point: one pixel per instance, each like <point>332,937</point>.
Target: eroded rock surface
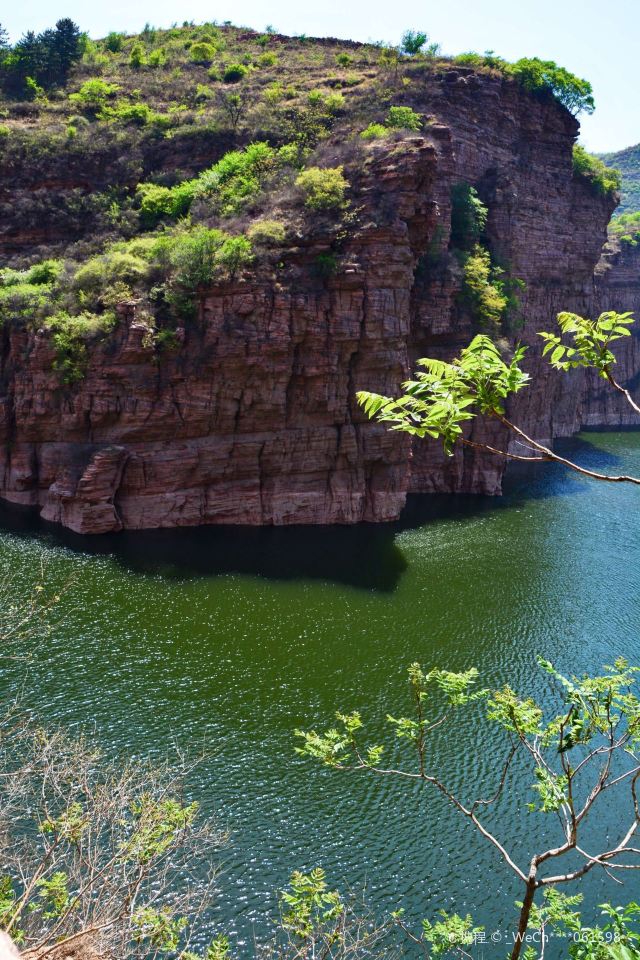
<point>252,419</point>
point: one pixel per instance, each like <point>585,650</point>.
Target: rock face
<point>252,419</point>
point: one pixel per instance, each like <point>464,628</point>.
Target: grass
<point>189,156</point>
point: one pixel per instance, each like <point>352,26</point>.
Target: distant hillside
<point>628,162</point>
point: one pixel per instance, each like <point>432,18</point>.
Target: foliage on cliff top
<point>628,163</point>
<point>152,110</point>
<point>539,77</point>
<point>209,129</point>
<point>603,179</point>
<point>185,77</point>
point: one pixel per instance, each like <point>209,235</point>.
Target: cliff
<point>250,418</point>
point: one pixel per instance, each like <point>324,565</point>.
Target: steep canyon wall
<point>252,419</point>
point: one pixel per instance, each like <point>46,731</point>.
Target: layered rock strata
<point>252,419</point>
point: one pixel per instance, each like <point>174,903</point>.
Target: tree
<point>66,49</point>
<point>412,42</point>
<point>439,401</point>
<point>235,106</point>
<point>573,760</point>
<point>46,58</point>
<point>94,852</point>
<point>545,75</point>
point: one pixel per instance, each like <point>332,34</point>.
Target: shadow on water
<point>365,556</point>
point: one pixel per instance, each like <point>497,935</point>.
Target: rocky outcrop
<point>252,419</point>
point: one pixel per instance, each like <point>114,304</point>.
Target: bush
<point>235,72</point>
<point>267,60</point>
<point>228,185</point>
<point>157,58</point>
<point>93,94</point>
<point>23,301</point>
<point>202,52</point>
<point>545,75</point>
<point>482,290</point>
<point>403,118</point>
<point>234,254</point>
<point>274,93</point>
<point>70,335</point>
<point>468,216</point>
<point>323,189</point>
<point>343,60</point>
<point>326,265</point>
<point>157,202</point>
<point>4,131</point>
<point>137,58</point>
<point>27,295</point>
<point>329,102</point>
<point>45,272</point>
<point>117,265</point>
<point>202,256</point>
<point>114,41</point>
<point>412,42</point>
<point>138,114</point>
<point>605,180</point>
<point>334,102</point>
<point>238,177</point>
<point>267,232</point>
<point>486,59</point>
<point>375,131</point>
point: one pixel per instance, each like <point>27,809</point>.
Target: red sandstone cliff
<point>252,420</point>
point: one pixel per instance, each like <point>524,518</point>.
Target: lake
<point>232,638</point>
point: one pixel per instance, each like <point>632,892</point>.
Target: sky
<point>593,39</point>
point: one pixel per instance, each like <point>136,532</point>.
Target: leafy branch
<point>588,747</point>
<point>444,397</point>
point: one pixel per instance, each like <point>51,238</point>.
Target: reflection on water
<point>235,637</point>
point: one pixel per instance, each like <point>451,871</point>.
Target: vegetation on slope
<point>187,155</point>
<point>628,163</point>
<point>626,228</point>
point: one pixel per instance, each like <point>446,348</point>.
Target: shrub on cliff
<point>403,118</point>
<point>478,60</point>
<point>70,335</point>
<point>158,202</point>
<point>23,302</point>
<point>267,232</point>
<point>468,216</point>
<point>202,256</point>
<point>28,295</point>
<point>603,179</point>
<point>225,188</point>
<point>96,276</point>
<point>482,289</point>
<point>545,75</point>
<point>322,188</point>
<point>375,131</point>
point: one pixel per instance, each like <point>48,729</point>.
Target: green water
<point>234,637</point>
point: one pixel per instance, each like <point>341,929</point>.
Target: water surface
<point>233,638</point>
